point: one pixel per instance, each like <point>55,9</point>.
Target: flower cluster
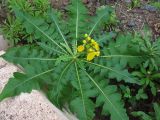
<point>90,46</point>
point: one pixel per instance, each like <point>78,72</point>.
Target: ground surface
<point>130,19</point>
<point>138,17</point>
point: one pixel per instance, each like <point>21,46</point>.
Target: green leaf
<point>102,14</point>
<point>141,94</point>
<point>157,110</point>
<point>54,18</point>
<point>77,105</point>
<point>142,115</point>
<point>111,100</point>
<point>104,39</point>
<point>124,51</point>
<point>138,74</point>
<point>78,17</point>
<point>153,88</point>
<point>49,49</point>
<point>78,21</point>
<point>115,72</point>
<point>21,83</point>
<point>38,28</point>
<point>63,73</point>
<point>85,104</point>
<point>156,76</point>
<point>26,56</point>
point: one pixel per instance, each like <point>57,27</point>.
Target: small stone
<point>149,8</point>
<point>131,23</point>
<point>128,1</point>
<point>124,21</point>
<point>157,27</point>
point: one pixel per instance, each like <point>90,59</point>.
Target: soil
<point>130,19</point>
<point>3,14</point>
<point>138,17</point>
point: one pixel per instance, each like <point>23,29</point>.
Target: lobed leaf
<point>110,100</point>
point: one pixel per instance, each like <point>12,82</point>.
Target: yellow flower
<point>96,47</point>
<point>80,48</point>
<point>90,46</point>
<point>97,53</point>
<point>94,43</point>
<point>90,50</point>
<point>92,40</point>
<point>88,38</point>
<point>84,41</point>
<point>86,35</point>
<point>91,55</point>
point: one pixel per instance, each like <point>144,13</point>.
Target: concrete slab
<point>3,43</point>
